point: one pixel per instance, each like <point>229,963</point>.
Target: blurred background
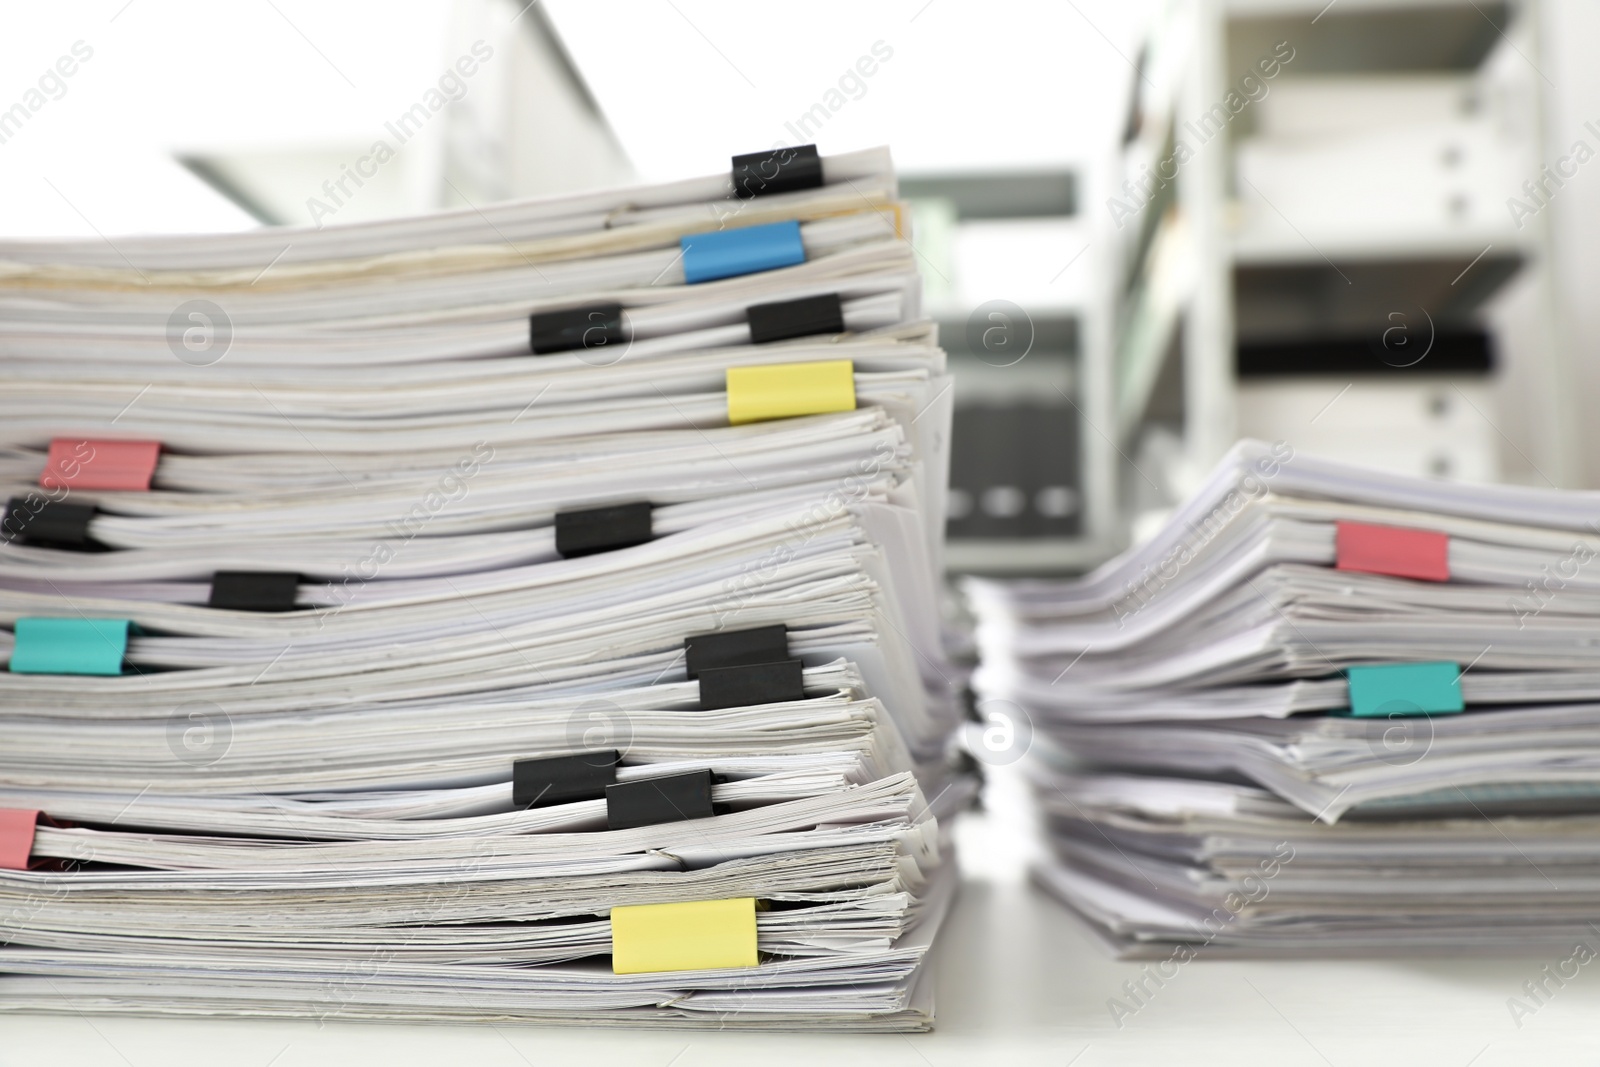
<point>1365,227</point>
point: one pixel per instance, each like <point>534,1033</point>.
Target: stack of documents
<point>518,614</point>
<point>1322,710</point>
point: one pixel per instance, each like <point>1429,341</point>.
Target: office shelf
<point>1395,217</point>
<point>1032,480</point>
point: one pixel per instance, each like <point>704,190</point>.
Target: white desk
<point>1018,985</point>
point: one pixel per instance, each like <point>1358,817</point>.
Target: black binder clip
<point>583,533</point>
<point>735,648</point>
<point>53,523</point>
<point>806,317</point>
<point>563,779</point>
<point>573,328</point>
<point>755,683</point>
<point>778,170</point>
<point>254,590</point>
<point>670,798</point>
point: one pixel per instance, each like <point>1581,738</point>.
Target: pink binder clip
<point>1392,550</point>
<point>16,838</point>
<point>80,464</point>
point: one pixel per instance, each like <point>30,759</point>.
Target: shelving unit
<point>1329,179</point>
<point>1032,481</point>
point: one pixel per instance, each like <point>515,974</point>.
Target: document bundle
<point>526,613</point>
<point>1324,710</point>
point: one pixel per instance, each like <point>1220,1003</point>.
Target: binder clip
<point>254,590</point>
<point>568,329</point>
<point>745,250</point>
<point>75,463</point>
<point>696,935</point>
<point>756,683</point>
<point>650,801</point>
<point>788,319</point>
<point>583,533</point>
<point>536,783</point>
<point>778,170</point>
<point>54,523</point>
<point>735,648</point>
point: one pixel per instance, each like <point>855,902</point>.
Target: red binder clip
<point>83,464</point>
<point>16,838</point>
<point>1392,550</point>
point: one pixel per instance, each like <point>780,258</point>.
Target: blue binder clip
<point>730,253</point>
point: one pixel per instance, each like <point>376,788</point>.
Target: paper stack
<point>525,613</point>
<point>1324,710</point>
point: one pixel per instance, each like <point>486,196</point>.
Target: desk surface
<point>1018,983</point>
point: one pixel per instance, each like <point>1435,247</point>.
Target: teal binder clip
<point>70,646</point>
<point>1405,689</point>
